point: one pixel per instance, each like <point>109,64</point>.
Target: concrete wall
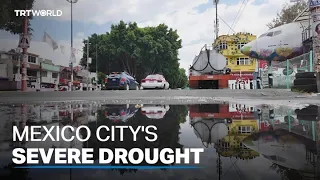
<point>49,78</point>
<point>9,66</point>
<point>9,85</point>
<point>3,70</point>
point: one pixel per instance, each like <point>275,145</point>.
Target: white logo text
<point>38,12</point>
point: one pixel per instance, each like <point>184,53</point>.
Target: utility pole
<point>41,72</point>
<point>88,43</point>
<point>216,26</point>
<point>25,57</point>
<point>96,65</point>
<point>71,23</point>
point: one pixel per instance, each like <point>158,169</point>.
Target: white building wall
<point>241,107</point>
<point>233,84</point>
<point>49,78</point>
<point>6,66</point>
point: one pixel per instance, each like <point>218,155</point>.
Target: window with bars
<point>32,59</point>
<point>15,57</point>
<point>54,75</point>
<point>244,129</point>
<point>240,45</point>
<point>32,73</point>
<point>44,74</point>
<point>243,61</point>
<point>223,46</point>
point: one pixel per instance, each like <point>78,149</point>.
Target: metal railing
<point>284,72</point>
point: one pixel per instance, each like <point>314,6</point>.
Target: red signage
<point>263,64</point>
<point>242,76</point>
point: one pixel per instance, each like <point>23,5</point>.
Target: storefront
<point>242,80</point>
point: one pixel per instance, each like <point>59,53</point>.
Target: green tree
<point>139,51</point>
<point>168,131</point>
<point>8,19</point>
<point>288,13</point>
<point>101,76</point>
<point>183,79</point>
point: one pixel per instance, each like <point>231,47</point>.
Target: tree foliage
<point>168,131</point>
<point>8,19</point>
<point>139,51</point>
<point>287,14</point>
<point>101,76</point>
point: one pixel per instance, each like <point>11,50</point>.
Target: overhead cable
<point>237,15</point>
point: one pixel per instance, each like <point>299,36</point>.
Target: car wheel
<point>127,87</point>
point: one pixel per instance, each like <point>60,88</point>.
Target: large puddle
<point>240,142</point>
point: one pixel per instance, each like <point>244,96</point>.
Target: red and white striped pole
<point>25,58</point>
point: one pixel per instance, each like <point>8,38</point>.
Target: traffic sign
<point>24,41</point>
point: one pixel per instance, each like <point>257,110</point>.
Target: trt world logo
<point>38,12</point>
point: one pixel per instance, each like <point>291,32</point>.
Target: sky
<point>193,19</point>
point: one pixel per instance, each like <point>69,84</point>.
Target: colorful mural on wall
<point>278,54</point>
<point>278,44</point>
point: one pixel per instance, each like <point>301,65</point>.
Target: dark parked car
<point>120,112</point>
<point>121,80</point>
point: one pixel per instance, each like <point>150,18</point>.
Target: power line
<point>240,14</point>
<point>230,28</point>
<point>237,14</point>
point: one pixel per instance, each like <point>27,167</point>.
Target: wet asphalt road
<point>261,96</point>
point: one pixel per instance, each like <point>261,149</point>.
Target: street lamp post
<point>88,62</point>
<point>96,66</point>
<point>71,63</point>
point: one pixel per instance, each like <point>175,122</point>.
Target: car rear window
<point>114,76</point>
<point>153,77</point>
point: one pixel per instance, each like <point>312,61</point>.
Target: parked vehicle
<point>121,80</point>
<point>121,113</point>
<point>63,88</point>
<point>155,81</point>
<point>155,111</point>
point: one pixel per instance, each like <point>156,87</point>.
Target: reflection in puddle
<point>155,111</point>
<point>240,141</point>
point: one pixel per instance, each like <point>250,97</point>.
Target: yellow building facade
<point>230,45</point>
<point>231,145</point>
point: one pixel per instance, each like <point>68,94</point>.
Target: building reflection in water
<point>224,126</point>
<point>287,138</point>
<point>293,144</point>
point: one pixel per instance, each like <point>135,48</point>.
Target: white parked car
<point>154,81</point>
<point>155,111</point>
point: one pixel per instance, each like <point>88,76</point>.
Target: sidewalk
<point>32,90</point>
